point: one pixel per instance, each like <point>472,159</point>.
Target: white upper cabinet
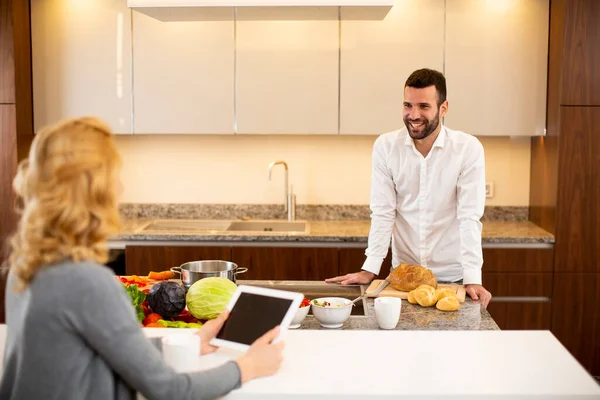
<point>378,53</point>
<point>255,3</point>
<point>183,71</point>
<point>496,63</point>
<point>81,59</point>
<point>287,70</point>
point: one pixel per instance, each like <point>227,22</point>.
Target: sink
<point>313,290</point>
<point>268,226</point>
<point>227,225</point>
<point>185,225</point>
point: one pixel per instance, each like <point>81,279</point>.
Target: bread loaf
<point>444,292</point>
<point>425,295</point>
<point>406,277</point>
<point>449,303</point>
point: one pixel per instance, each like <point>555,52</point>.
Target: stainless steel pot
<point>193,271</point>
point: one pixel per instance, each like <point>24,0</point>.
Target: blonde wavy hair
<point>67,197</point>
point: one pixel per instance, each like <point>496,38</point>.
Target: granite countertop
<point>470,316</point>
<point>357,231</point>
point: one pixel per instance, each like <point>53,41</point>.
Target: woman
<point>72,331</point>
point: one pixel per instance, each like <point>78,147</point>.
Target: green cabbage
<point>208,297</point>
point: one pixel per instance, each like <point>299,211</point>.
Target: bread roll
<point>425,295</point>
<point>406,277</point>
<point>444,292</point>
<point>449,303</point>
<point>411,297</point>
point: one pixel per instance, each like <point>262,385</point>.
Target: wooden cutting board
<point>391,292</point>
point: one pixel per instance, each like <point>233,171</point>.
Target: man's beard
<point>425,130</point>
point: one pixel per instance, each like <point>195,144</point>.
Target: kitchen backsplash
<point>323,170</point>
<point>312,212</point>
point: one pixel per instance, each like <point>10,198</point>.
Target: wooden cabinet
<point>517,260</point>
<point>576,317</point>
<point>496,66</point>
<point>521,283</point>
<point>7,68</point>
<point>578,222</point>
<point>139,260</point>
<point>287,70</point>
<point>527,284</point>
<point>287,263</point>
<point>352,260</point>
<point>518,315</point>
<point>81,61</point>
<point>183,71</point>
<point>378,53</point>
<point>581,59</point>
<point>520,300</point>
<point>270,263</point>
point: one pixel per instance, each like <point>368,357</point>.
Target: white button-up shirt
<point>430,207</point>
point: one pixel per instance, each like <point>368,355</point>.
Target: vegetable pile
<point>163,303</point>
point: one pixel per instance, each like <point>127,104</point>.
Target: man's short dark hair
<point>425,77</point>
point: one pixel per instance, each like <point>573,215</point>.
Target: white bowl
<point>301,313</point>
<point>332,316</point>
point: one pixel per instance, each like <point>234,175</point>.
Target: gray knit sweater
<point>73,334</point>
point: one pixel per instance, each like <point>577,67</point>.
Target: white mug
<point>181,351</point>
<point>387,311</point>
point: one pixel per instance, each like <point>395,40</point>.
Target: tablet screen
<point>252,316</point>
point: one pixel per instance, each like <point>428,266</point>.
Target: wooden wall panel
<point>8,164</point>
<point>573,134</point>
<point>578,223</point>
<point>23,77</point>
<point>581,79</point>
<point>544,150</point>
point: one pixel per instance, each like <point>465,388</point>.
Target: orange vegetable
<point>133,280</point>
<point>154,325</point>
<point>151,318</point>
<point>161,276</point>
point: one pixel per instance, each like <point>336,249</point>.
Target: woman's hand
<point>263,358</point>
<point>209,330</point>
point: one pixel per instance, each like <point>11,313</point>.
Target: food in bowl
<point>305,303</point>
<point>331,312</point>
<point>324,303</point>
<point>301,313</point>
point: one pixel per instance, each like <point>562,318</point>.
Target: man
<point>427,193</point>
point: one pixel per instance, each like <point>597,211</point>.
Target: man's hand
<point>209,330</point>
<point>478,292</point>
<point>356,278</point>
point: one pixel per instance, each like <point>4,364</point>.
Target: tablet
<point>253,312</point>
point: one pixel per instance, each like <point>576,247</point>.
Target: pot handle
<point>177,270</point>
<point>241,270</point>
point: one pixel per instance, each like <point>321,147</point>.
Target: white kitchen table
<point>346,364</point>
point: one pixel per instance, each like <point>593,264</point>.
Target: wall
<point>323,169</point>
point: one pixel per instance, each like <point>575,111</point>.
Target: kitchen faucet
<point>290,197</point>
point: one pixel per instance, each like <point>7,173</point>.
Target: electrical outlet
<point>489,190</point>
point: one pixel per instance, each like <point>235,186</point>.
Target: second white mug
<point>387,311</point>
<point>181,351</point>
